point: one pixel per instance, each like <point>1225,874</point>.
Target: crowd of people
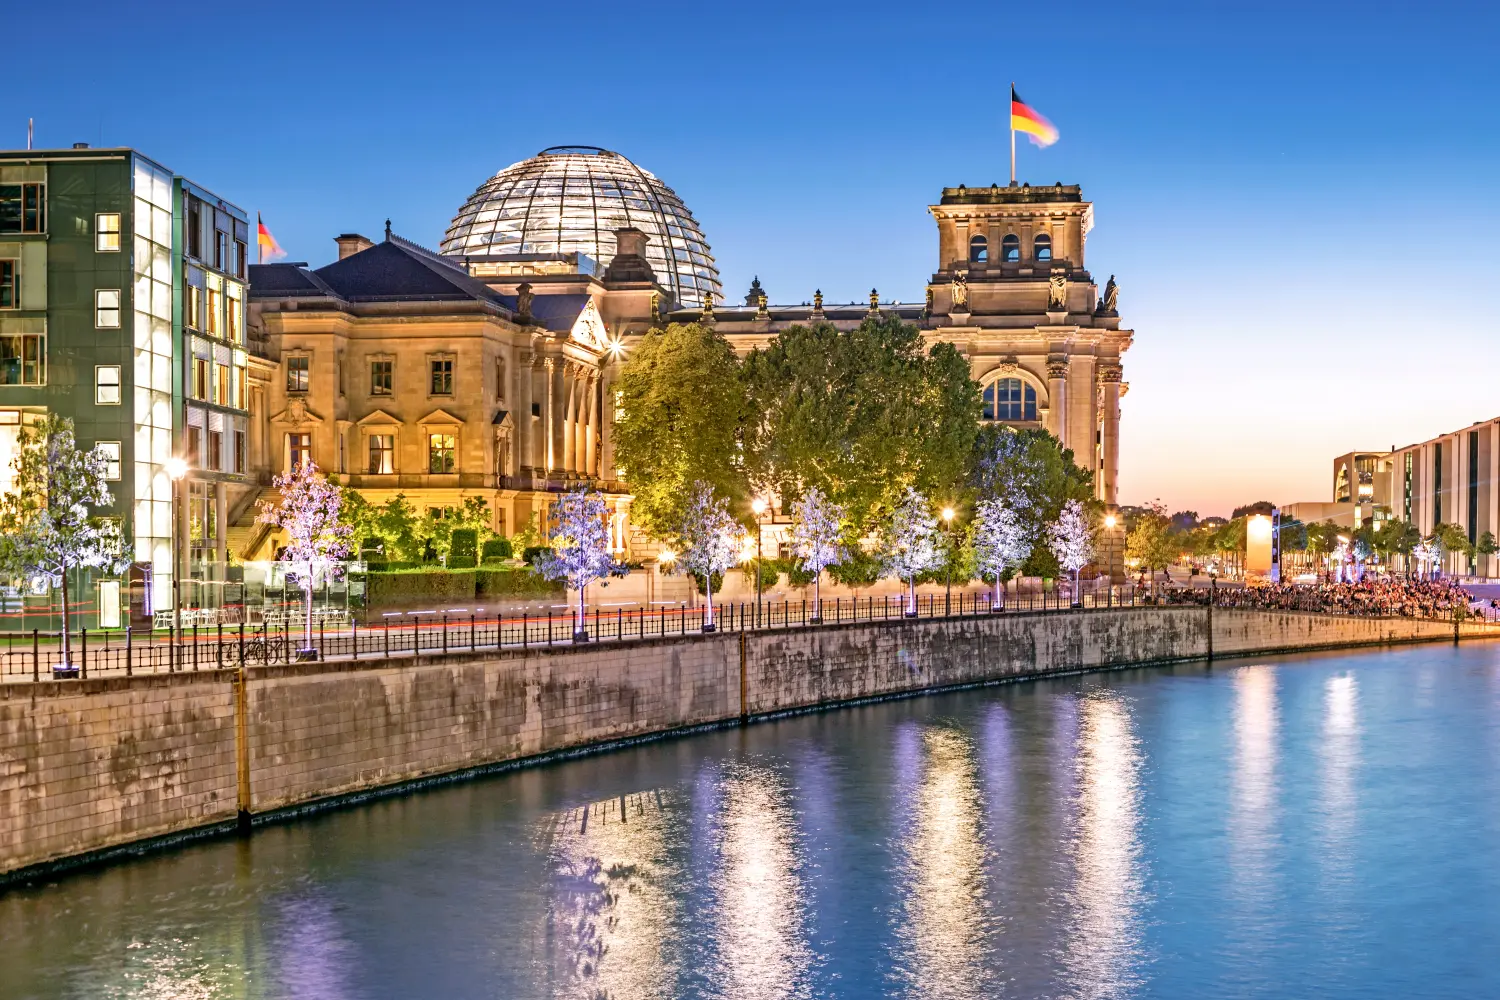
<point>1390,597</point>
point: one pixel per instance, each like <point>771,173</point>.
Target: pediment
<point>589,329</point>
<point>379,418</point>
<point>297,413</point>
<point>440,417</point>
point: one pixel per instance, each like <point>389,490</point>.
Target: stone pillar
<point>1109,475</point>
<point>591,428</point>
<point>1057,401</point>
<point>556,400</point>
<point>570,420</point>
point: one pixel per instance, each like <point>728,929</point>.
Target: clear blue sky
<point>1298,199</point>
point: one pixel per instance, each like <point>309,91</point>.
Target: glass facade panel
<point>151,397</point>
<point>572,199</point>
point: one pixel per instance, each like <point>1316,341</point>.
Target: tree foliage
<point>817,528</point>
<point>708,538</point>
<point>580,552</point>
<point>1037,476</point>
<point>308,511</point>
<point>681,410</point>
<point>910,541</point>
<point>49,529</point>
<point>999,543</point>
<point>859,414</point>
<point>1150,541</point>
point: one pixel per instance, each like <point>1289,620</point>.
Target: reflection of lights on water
<point>944,923</point>
<point>1340,753</point>
<point>762,947</point>
<point>1104,947</point>
<point>612,897</point>
<point>1253,821</point>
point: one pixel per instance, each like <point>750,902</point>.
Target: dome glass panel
<point>571,199</point>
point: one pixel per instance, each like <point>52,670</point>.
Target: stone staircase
<point>247,538</point>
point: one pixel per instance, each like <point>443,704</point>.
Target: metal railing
<point>34,655</point>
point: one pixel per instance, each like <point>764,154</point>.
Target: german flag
<point>1024,118</point>
<point>265,243</point>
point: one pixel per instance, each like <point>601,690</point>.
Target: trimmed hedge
<point>516,583</point>
<point>529,554</point>
<point>385,589</point>
<point>496,550</point>
<point>463,548</point>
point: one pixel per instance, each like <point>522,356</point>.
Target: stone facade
<point>88,765</point>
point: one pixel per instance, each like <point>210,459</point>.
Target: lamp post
<point>177,470</point>
<point>948,583</point>
<point>757,505</point>
<point>1109,556</point>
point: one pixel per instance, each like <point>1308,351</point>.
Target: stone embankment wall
<point>90,765</point>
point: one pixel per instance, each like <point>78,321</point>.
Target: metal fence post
<point>445,635</point>
<point>354,637</point>
<point>386,627</point>
<point>83,650</point>
<point>36,656</point>
<point>472,645</point>
<point>127,651</point>
<point>242,645</point>
<point>523,629</point>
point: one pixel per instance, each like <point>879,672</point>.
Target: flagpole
<point>1011,118</point>
<point>260,248</point>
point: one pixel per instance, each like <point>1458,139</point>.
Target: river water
<point>1315,826</point>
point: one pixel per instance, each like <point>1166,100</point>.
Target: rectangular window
<point>382,454</point>
<point>240,256</point>
<point>110,450</point>
<point>23,208</point>
<point>107,232</point>
<point>194,227</point>
<point>299,449</point>
<point>106,385</point>
<point>440,453</point>
<point>193,308</point>
<point>239,452</point>
<point>195,447</point>
<point>23,359</point>
<point>1473,486</point>
<point>242,389</point>
<point>10,284</point>
<point>215,306</point>
<point>107,309</point>
<point>200,379</point>
<point>215,450</point>
<point>1437,485</point>
<point>298,367</point>
<point>380,378</point>
<point>442,377</point>
<point>222,383</point>
<point>232,318</point>
<point>1406,488</point>
<point>221,249</point>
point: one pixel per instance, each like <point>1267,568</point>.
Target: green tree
<point>1454,541</point>
<point>48,527</point>
<point>1151,541</point>
<point>861,415</point>
<point>679,419</point>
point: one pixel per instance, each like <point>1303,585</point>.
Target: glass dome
<point>571,199</point>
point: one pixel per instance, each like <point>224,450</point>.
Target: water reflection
<point>1254,826</point>
<point>761,902</point>
<point>1340,758</point>
<point>310,955</point>
<point>612,906</point>
<point>1103,953</point>
<point>944,920</point>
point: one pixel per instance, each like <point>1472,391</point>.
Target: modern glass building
<point>122,291</point>
<point>570,200</point>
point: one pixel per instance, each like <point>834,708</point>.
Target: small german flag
<point>265,243</point>
<point>1024,118</point>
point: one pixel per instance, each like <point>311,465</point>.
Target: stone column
<point>570,420</point>
<point>591,428</point>
<point>1057,401</point>
<point>556,400</point>
<point>1109,379</point>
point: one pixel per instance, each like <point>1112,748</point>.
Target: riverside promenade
<point>91,767</point>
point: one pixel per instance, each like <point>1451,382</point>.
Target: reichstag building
<point>485,369</point>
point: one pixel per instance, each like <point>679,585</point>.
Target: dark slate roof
<point>393,271</point>
<point>558,313</point>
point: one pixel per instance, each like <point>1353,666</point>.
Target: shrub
<point>529,554</point>
<point>770,574</point>
<point>859,569</point>
<point>463,548</point>
<point>495,550</point>
<point>515,583</point>
<point>420,585</point>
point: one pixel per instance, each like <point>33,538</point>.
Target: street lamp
<point>948,584</point>
<point>177,470</point>
<point>758,505</point>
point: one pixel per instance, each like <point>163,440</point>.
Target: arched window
<point>1010,247</point>
<point>979,250</point>
<point>1009,399</point>
<point>1041,247</point>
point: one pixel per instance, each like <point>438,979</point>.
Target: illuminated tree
<point>911,543</point>
<point>709,539</point>
<point>818,527</point>
<point>308,511</point>
<point>580,553</point>
<point>48,528</point>
<point>1071,538</point>
<point>1000,541</point>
